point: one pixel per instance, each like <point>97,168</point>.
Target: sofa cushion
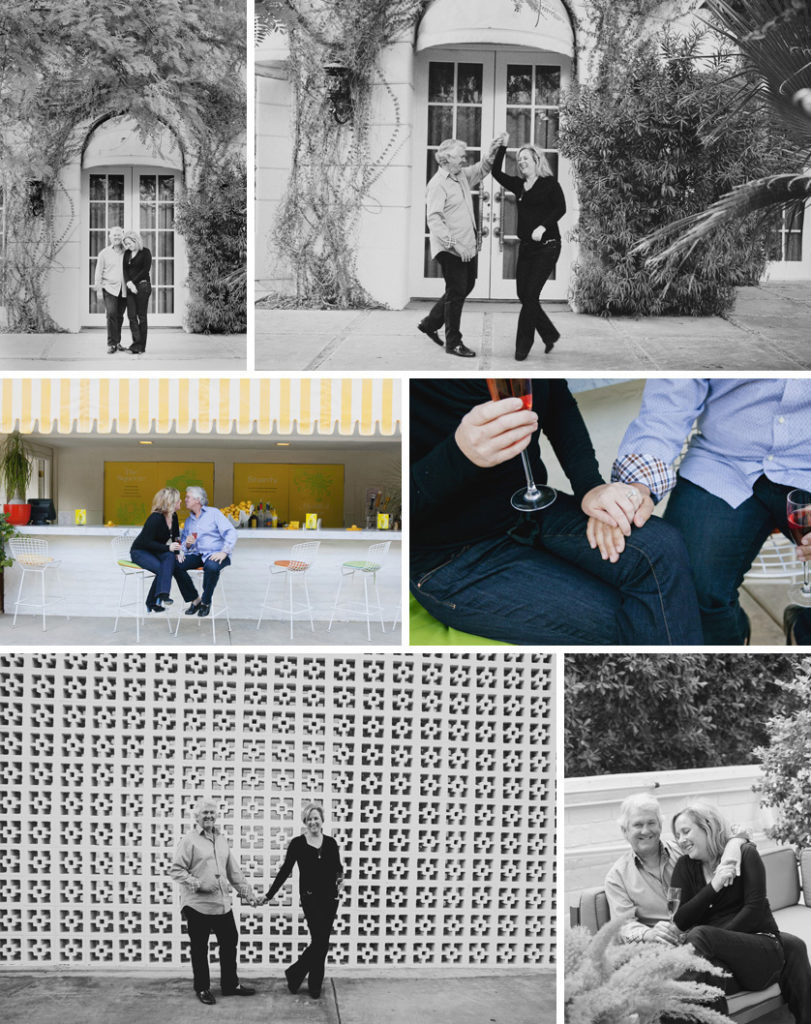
<point>782,883</point>
<point>805,872</point>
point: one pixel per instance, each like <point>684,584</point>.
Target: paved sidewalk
<point>768,329</point>
<point>168,349</point>
<point>436,997</point>
<point>196,632</point>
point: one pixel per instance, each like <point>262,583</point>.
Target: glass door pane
<point>106,207</point>
<point>156,216</point>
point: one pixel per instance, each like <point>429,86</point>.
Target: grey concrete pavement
<point>167,350</point>
<point>436,997</point>
<point>768,329</point>
<point>194,632</point>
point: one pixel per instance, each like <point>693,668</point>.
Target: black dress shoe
<point>293,985</point>
<point>193,609</point>
<point>165,599</point>
<point>314,992</point>
<point>241,990</point>
<point>433,335</point>
<point>206,997</point>
<point>549,343</point>
<point>460,350</point>
<point>121,348</point>
<point>156,607</point>
<point>204,610</point>
<point>111,349</point>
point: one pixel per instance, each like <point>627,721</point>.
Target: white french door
<point>473,95</point>
<point>142,199</point>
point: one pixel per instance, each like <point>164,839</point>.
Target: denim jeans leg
<point>114,306</point>
<point>161,568</point>
<point>507,591</point>
<point>754,960</point>
<point>657,599</point>
<point>722,542</point>
<point>211,577</point>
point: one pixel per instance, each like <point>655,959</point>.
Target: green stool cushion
<point>363,566</point>
<point>125,563</point>
<point>426,631</point>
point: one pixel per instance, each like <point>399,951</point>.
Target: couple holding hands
<point>207,872</point>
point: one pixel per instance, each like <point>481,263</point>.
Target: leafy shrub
<point>786,760</point>
<point>662,141</point>
<point>640,712</point>
<point>211,217</point>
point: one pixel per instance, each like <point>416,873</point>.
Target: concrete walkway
<point>436,997</point>
<point>194,632</point>
<point>167,350</point>
<point>768,329</point>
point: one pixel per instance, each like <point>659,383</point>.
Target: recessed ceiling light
<point>144,442</point>
<point>282,444</point>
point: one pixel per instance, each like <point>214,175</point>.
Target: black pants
<point>460,278</point>
<point>137,305</point>
<point>536,261</point>
<point>114,306</point>
<point>200,927</point>
<point>754,961</point>
<point>795,981</point>
<point>320,914</point>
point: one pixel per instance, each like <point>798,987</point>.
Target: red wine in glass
<point>798,511</point>
<point>532,498</point>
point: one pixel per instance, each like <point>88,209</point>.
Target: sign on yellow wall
<point>294,489</point>
<point>130,486</point>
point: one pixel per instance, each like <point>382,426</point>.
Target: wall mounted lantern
<point>339,92</point>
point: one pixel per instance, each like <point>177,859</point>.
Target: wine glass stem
<point>806,581</point>
<point>532,490</point>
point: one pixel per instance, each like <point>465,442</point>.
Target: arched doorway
<point>132,184</point>
<point>478,71</point>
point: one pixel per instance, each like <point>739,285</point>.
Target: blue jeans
<point>559,591</point>
<point>114,306</point>
<point>211,574</point>
<point>722,543</point>
<point>162,566</point>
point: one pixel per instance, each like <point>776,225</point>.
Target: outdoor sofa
<point>789,892</point>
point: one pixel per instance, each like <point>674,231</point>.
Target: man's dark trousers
<point>460,278</point>
<point>114,307</point>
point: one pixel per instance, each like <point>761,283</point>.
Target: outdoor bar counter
<point>91,579</point>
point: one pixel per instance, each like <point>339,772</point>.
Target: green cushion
<point>363,566</point>
<point>425,630</point>
<point>125,563</point>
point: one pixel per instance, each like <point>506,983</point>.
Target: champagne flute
<point>673,897</point>
<point>532,498</point>
<point>798,510</point>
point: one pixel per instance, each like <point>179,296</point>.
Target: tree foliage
<point>66,67</point>
<point>212,220</point>
<point>646,149</point>
<point>786,762</point>
<point>640,712</point>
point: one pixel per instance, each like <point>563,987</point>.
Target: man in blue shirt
<point>752,446</point>
<point>207,540</point>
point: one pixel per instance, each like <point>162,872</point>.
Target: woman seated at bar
<point>480,566</point>
<point>155,549</point>
<point>207,540</point>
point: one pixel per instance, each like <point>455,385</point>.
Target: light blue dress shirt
<point>214,532</point>
<point>746,428</point>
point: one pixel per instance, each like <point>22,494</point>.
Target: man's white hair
<point>198,493</point>
<point>635,803</point>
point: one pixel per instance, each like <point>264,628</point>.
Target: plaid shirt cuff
<point>645,469</point>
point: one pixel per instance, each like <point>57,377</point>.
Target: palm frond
<point>764,196</point>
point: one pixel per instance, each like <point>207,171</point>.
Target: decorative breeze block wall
<point>436,772</point>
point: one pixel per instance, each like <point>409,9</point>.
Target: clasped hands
<point>612,510</point>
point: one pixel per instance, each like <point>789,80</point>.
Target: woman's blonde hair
<point>711,822</point>
<point>136,238</point>
<point>165,500</point>
<point>305,814</point>
<point>544,170</point>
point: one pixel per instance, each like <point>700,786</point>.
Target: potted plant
<point>7,531</point>
<point>15,473</point>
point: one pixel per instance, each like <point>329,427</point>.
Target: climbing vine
<point>334,166</point>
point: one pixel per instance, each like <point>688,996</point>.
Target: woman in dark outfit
<point>137,264</point>
<point>540,205</point>
<point>321,876</point>
<point>727,919</point>
<point>532,578</point>
<point>155,547</point>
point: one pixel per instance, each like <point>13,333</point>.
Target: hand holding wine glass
<point>673,897</point>
<point>531,498</point>
<point>798,510</point>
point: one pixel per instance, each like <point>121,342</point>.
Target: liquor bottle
<point>253,521</point>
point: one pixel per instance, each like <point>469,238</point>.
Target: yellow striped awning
<point>224,405</point>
